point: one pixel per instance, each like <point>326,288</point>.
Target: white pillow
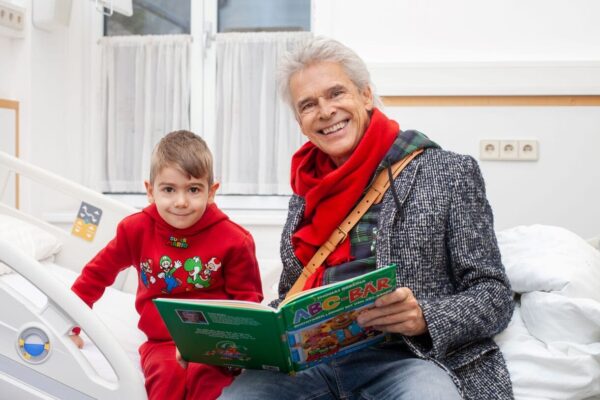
<point>33,240</point>
<point>549,258</point>
<point>552,317</point>
<point>557,370</point>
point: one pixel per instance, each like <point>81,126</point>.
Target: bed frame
<point>65,372</point>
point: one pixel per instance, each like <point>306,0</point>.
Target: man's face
<point>180,201</point>
<point>331,110</point>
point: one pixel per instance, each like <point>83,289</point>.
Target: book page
<point>223,303</point>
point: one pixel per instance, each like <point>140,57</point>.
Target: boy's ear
<point>212,191</point>
<point>149,192</point>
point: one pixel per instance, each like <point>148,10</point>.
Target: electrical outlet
<point>509,150</point>
<point>528,150</point>
<point>489,149</point>
<point>11,16</point>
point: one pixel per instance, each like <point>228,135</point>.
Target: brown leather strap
<point>373,196</point>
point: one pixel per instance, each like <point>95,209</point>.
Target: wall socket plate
<point>489,150</point>
<point>12,19</point>
<point>508,150</point>
<point>528,150</point>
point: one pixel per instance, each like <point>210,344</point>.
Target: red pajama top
<point>213,259</point>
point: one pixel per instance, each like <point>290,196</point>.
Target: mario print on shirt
<point>212,266</point>
<point>199,274</point>
<point>168,268</point>
<point>146,273</point>
<point>193,266</point>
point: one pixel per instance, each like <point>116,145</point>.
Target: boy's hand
<point>180,360</point>
<point>77,340</point>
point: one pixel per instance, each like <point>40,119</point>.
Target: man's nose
<point>326,108</point>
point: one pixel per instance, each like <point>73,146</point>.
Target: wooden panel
<point>13,105</point>
<point>488,101</point>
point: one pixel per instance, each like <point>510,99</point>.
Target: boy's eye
<point>194,190</point>
<point>168,189</point>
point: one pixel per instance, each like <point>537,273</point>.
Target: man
<point>434,223</point>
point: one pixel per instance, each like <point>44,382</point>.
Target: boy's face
<point>180,201</point>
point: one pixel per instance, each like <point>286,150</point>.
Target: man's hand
<point>77,340</point>
<point>397,312</point>
<point>180,360</point>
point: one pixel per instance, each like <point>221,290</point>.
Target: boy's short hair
<point>185,151</point>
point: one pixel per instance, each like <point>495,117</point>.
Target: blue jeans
<point>380,372</point>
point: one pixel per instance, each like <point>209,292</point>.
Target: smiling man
<point>434,223</point>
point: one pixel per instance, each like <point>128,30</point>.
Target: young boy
<point>182,246</point>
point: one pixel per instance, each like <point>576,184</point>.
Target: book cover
<point>309,328</point>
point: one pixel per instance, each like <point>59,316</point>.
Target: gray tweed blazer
<point>443,241</point>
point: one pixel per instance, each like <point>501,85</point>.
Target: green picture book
<point>306,329</point>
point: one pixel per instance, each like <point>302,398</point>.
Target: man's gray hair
<point>322,49</point>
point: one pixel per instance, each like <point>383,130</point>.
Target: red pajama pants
<point>166,379</point>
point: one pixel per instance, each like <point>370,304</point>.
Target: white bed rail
<point>76,251</point>
<point>50,376</point>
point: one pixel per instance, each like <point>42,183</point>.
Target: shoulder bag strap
<point>373,196</point>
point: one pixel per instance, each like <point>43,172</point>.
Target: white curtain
<point>145,94</point>
<point>256,133</point>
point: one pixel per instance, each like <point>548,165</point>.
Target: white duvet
<point>552,345</point>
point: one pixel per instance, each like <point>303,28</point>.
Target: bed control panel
<point>33,345</point>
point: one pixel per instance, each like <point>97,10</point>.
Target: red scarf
<point>331,192</point>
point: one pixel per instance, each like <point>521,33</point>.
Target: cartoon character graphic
<point>212,266</point>
<point>327,338</point>
<point>168,269</point>
<point>194,268</point>
<point>146,273</point>
<point>229,351</point>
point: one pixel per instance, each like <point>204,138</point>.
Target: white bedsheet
<point>115,309</point>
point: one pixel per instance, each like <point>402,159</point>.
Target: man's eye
<point>307,107</point>
<point>337,93</point>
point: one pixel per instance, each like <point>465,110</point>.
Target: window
<point>253,133</point>
<point>253,158</point>
<point>145,88</point>
<point>263,15</point>
<point>151,17</point>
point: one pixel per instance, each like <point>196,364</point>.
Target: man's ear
<point>212,192</point>
<point>149,191</point>
<point>367,94</point>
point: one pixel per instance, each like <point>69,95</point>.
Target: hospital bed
<point>552,344</point>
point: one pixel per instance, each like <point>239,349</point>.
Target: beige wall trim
<point>14,105</point>
<point>487,101</point>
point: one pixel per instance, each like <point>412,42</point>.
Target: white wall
<point>554,47</point>
<point>559,189</point>
<point>459,30</point>
<point>50,73</point>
